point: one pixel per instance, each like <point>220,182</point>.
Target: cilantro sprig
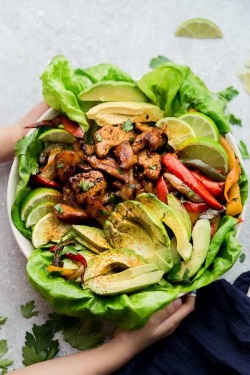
<point>4,362</point>
<point>155,61</point>
<point>28,309</point>
<point>243,150</point>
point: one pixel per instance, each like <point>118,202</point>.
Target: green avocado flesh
<point>113,91</point>
<point>94,236</point>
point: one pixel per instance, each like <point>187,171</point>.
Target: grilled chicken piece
<point>155,138</point>
<point>126,192</point>
<point>78,149</point>
<point>151,163</point>
<point>108,165</point>
<point>110,136</point>
<point>69,197</point>
<point>88,184</point>
<point>96,210</point>
<point>71,215</point>
<point>125,155</point>
<point>88,149</point>
<point>143,127</point>
<point>65,165</point>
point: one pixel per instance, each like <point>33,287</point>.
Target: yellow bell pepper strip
<point>234,206</point>
<point>61,270</point>
<point>232,189</point>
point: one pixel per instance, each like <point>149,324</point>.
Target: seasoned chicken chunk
<point>88,184</point>
<point>154,138</point>
<point>125,155</point>
<point>151,163</point>
<point>96,210</point>
<point>65,164</point>
<point>110,136</point>
<point>71,215</point>
<point>108,165</point>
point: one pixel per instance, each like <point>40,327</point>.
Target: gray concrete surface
<point>127,33</point>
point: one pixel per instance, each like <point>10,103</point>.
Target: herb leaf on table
<point>155,61</point>
<point>243,150</point>
<point>28,308</point>
<point>4,363</point>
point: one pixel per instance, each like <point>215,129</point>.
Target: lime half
<point>37,212</point>
<point>48,229</point>
<point>37,196</point>
<point>244,76</point>
<point>57,135</point>
<point>207,150</point>
<point>176,130</point>
<point>202,125</point>
<point>199,28</point>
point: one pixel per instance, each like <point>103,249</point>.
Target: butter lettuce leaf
<point>175,88</point>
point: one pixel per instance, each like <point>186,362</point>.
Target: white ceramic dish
<point>25,245</point>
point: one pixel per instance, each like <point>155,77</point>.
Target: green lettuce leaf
<point>61,85</point>
<point>127,311</point>
<point>106,72</point>
<point>243,183</point>
<point>176,89</point>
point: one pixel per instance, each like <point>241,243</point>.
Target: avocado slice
<point>112,284</point>
<point>168,216</point>
<point>113,91</point>
<point>146,110</point>
<point>105,262</point>
<point>138,213</point>
<point>86,244</point>
<point>94,236</point>
<point>201,235</point>
<point>180,210</point>
<point>173,248</point>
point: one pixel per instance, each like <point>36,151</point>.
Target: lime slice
<point>199,28</point>
<point>37,212</point>
<point>48,229</point>
<point>37,196</point>
<point>244,76</point>
<point>57,135</point>
<point>207,150</point>
<point>176,130</point>
<point>202,125</point>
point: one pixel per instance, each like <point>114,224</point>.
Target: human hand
<point>161,324</point>
<point>9,135</point>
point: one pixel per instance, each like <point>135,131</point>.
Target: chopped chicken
<point>65,165</point>
<point>71,215</point>
<point>110,136</point>
<point>151,163</point>
<point>125,155</point>
<point>96,210</point>
<point>154,138</point>
<point>143,127</point>
<point>108,165</point>
<point>88,184</point>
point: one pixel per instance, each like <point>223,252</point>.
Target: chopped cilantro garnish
<point>59,208</point>
<point>60,165</point>
<point>98,137</point>
<point>127,126</point>
<point>85,185</point>
<point>153,167</point>
<point>229,93</point>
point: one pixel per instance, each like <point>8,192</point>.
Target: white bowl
<point>25,244</point>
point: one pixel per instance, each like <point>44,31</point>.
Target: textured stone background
<point>127,33</point>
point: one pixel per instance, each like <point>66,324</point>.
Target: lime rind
<point>57,135</point>
<point>37,212</point>
<point>37,196</point>
<point>202,125</point>
<point>176,130</point>
<point>244,76</point>
<point>199,28</point>
<point>207,150</point>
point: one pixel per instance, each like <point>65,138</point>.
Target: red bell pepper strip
<point>177,168</point>
<point>215,188</point>
<point>195,207</point>
<point>78,258</point>
<point>72,127</point>
<point>53,123</point>
<point>41,181</point>
<point>162,190</point>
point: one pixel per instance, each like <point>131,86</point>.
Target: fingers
<point>32,116</point>
<point>166,312</point>
<point>171,322</point>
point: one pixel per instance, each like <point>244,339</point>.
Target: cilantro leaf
<point>98,137</point>
<point>4,363</point>
<point>83,334</point>
<point>85,185</point>
<point>39,345</point>
<point>154,62</point>
<point>127,126</point>
<point>243,150</point>
<point>27,310</point>
<point>2,319</point>
<point>229,93</point>
<point>242,257</point>
<point>59,208</point>
<point>234,120</point>
<point>3,347</point>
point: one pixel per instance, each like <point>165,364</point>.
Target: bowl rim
<point>25,244</point>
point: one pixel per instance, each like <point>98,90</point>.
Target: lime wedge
<point>199,28</point>
<point>37,196</point>
<point>176,130</point>
<point>48,229</point>
<point>244,76</point>
<point>202,125</point>
<point>207,150</point>
<point>37,212</point>
<point>57,135</point>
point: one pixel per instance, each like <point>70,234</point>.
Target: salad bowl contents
<point>130,192</point>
